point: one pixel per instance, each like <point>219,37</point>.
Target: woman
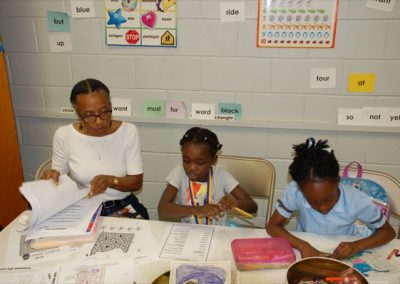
<point>99,152</point>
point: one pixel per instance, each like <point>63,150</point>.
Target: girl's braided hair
<point>313,161</point>
<point>198,135</point>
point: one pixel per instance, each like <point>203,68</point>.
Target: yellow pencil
<point>244,213</point>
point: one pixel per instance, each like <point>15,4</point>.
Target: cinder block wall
<point>214,62</point>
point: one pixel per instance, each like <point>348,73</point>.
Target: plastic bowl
<point>319,268</point>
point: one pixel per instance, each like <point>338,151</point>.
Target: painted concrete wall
<point>214,62</point>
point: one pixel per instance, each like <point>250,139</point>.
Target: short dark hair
<point>87,86</point>
<point>313,161</point>
<point>198,135</point>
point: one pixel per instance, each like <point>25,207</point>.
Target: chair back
<point>389,183</point>
<point>46,165</point>
<point>255,176</point>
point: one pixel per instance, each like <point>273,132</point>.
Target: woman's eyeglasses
<point>103,115</point>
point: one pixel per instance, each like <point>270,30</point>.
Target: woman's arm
<point>381,236</point>
<point>168,207</point>
<point>275,228</point>
<point>100,183</point>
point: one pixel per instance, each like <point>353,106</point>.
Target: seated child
<point>324,205</point>
<point>204,190</point>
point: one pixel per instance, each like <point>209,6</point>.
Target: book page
<point>71,221</point>
<point>46,198</point>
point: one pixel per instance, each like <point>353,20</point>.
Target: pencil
<point>340,279</point>
<point>391,254</point>
<point>244,213</point>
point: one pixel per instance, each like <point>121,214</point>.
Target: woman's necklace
<point>98,151</point>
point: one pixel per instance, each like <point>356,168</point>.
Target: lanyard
<point>207,199</point>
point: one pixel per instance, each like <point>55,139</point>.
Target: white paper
<point>116,270</point>
<point>384,5</point>
<point>19,251</point>
<point>82,9</point>
<point>350,116</point>
<point>323,78</point>
<point>232,11</point>
<point>119,237</point>
<point>46,198</point>
<point>187,242</point>
<point>60,42</point>
<point>394,116</point>
<point>376,116</point>
<point>121,107</point>
<point>203,111</point>
<point>71,221</point>
<point>21,275</point>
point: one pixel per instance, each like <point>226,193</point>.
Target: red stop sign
<point>132,36</point>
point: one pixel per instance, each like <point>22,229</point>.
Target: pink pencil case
<point>260,253</point>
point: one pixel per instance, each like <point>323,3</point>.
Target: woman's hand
<point>99,184</point>
<point>210,210</point>
<point>51,174</point>
<point>228,202</point>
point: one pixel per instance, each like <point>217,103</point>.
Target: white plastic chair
<point>46,165</point>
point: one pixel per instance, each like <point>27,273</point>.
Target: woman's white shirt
<point>83,157</point>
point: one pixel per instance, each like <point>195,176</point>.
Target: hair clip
<point>310,142</point>
<point>205,138</point>
<point>186,135</point>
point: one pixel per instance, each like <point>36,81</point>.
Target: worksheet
<point>187,242</point>
<point>20,275</point>
<point>117,270</point>
<point>120,237</point>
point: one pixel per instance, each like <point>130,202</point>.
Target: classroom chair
<point>256,176</point>
<point>389,183</point>
<point>46,165</point>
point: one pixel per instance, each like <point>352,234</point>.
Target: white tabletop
<point>220,250</point>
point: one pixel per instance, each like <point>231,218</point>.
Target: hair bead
<point>310,142</point>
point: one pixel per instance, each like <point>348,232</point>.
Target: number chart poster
<point>297,23</point>
<point>141,22</point>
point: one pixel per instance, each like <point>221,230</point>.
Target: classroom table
<point>220,250</point>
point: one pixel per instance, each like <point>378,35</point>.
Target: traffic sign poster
<point>141,22</point>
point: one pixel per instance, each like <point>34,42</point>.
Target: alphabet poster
<point>141,22</point>
<point>297,23</point>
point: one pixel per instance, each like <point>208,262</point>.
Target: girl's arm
<point>168,207</point>
<point>239,198</point>
<point>275,228</point>
<point>381,236</point>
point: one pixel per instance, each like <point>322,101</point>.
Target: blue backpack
<point>371,188</point>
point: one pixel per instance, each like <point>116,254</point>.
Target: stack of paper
<point>61,214</point>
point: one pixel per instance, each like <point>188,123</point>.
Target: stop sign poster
<point>141,22</point>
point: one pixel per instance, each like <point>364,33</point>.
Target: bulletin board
<point>297,23</point>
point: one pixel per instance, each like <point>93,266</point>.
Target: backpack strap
<point>346,169</point>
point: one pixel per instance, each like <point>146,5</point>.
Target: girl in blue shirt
<point>325,206</point>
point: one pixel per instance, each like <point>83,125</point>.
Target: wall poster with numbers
<point>141,22</point>
<point>297,23</point>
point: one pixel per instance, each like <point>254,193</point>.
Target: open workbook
<point>59,212</point>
